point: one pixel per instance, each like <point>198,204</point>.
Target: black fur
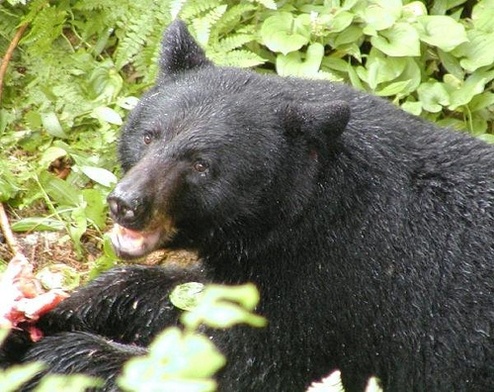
<point>369,232</point>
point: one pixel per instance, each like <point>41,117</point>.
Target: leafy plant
<point>185,360</point>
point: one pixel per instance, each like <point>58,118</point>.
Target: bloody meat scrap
<point>23,299</point>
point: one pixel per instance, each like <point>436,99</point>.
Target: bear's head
<point>213,152</point>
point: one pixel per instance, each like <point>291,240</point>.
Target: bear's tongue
<point>131,244</point>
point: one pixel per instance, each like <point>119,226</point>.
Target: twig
<point>7,232</point>
<point>9,53</point>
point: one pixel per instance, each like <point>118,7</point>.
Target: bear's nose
<point>127,211</point>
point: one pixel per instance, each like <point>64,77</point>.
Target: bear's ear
<point>179,51</point>
<point>319,122</point>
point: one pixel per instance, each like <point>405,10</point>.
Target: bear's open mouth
<point>130,244</point>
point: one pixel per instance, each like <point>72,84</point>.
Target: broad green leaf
<point>8,184</point>
<point>72,383</point>
<point>185,296</point>
<point>106,114</point>
<point>52,125</point>
<point>334,63</point>
<point>481,101</point>
<point>395,88</point>
<point>412,107</point>
<point>51,154</point>
<point>432,30</point>
<point>127,103</point>
<point>465,93</point>
<point>99,175</point>
<point>414,9</point>
<point>62,192</point>
<point>283,33</point>
<point>95,206</point>
<point>433,96</point>
<point>376,18</point>
<point>350,35</point>
<point>398,41</point>
<point>340,21</point>
<point>483,16</point>
<point>477,53</point>
<point>292,63</point>
<point>11,379</point>
<point>37,224</point>
<point>478,125</point>
<point>380,68</point>
<point>486,137</point>
<point>451,63</point>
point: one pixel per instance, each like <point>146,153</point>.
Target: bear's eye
<point>147,138</point>
<point>201,166</point>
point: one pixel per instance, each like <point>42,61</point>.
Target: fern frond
<point>230,20</point>
<point>137,29</point>
<point>234,41</point>
<point>202,26</point>
<point>196,8</point>
<point>46,28</point>
<point>236,58</point>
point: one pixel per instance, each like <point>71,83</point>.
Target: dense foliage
<point>80,64</point>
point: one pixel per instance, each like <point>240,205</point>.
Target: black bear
<point>369,233</point>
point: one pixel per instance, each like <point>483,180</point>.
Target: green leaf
<point>474,85</point>
<point>12,378</point>
<point>95,206</point>
<point>451,63</point>
<point>412,107</point>
<point>72,383</point>
<point>223,307</point>
<point>441,31</point>
<point>433,96</point>
<point>340,21</point>
<point>292,64</point>
<point>414,9</point>
<point>51,154</point>
<point>377,18</point>
<point>398,41</point>
<point>380,69</point>
<point>481,101</point>
<point>477,53</point>
<point>52,125</point>
<point>396,88</point>
<point>483,16</point>
<point>59,190</point>
<point>350,35</point>
<point>8,184</point>
<point>37,224</point>
<point>283,33</point>
<point>486,137</point>
<point>106,114</point>
<point>185,296</point>
<point>180,361</point>
<point>99,175</point>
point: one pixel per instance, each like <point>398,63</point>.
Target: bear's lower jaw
<point>130,244</point>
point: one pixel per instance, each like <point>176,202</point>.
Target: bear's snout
<point>129,209</point>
